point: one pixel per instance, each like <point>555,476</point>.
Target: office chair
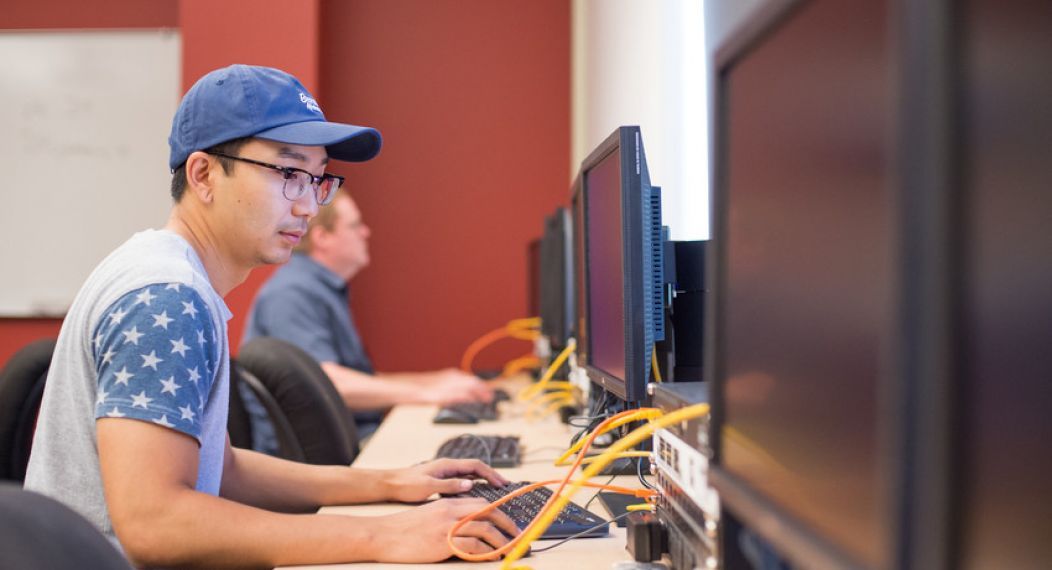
<point>239,423</point>
<point>21,389</point>
<point>39,532</point>
<point>310,419</point>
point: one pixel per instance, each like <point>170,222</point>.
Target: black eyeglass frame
<point>288,172</point>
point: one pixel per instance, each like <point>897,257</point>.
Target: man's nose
<point>305,205</point>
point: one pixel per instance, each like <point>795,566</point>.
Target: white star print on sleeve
<point>155,352</point>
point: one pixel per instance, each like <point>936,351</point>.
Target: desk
<point>407,436</point>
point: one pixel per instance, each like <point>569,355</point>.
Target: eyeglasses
<point>298,180</point>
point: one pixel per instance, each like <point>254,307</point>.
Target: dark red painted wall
<point>62,14</point>
<point>473,99</point>
<point>277,33</point>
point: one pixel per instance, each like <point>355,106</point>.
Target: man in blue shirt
<point>132,426</point>
<point>306,303</point>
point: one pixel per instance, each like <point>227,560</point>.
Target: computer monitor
<point>803,299</point>
<point>621,306</point>
<point>533,277</point>
<point>1002,365</point>
<point>879,334</point>
<point>556,279</point>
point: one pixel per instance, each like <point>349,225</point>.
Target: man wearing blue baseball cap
<point>132,428</point>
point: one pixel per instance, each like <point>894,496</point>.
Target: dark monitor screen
<point>805,308</point>
<point>621,305</point>
<point>605,267</point>
<point>556,278</point>
<point>533,277</point>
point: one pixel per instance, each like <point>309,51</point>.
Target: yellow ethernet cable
<point>531,410</point>
<point>545,518</point>
<point>654,368</point>
<point>525,323</point>
<point>624,454</point>
<point>534,389</point>
<point>612,422</point>
<point>567,401</point>
<point>522,329</point>
<point>645,494</point>
<point>519,364</point>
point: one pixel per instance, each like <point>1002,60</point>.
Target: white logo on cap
<point>310,102</point>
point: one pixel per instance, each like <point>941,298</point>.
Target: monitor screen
<point>534,286</point>
<point>623,266</point>
<point>805,308</point>
<point>606,300</point>
<point>556,279</point>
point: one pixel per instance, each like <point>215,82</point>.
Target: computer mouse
<point>500,395</point>
<point>454,416</point>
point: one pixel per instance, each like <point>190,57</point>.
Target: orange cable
<point>516,329</point>
<point>496,554</point>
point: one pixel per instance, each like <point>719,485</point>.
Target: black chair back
<point>39,532</point>
<point>21,389</point>
<point>311,421</point>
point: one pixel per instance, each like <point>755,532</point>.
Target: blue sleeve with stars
<point>155,357</point>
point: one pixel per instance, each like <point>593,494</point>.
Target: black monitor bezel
<point>556,284</point>
<point>628,142</point>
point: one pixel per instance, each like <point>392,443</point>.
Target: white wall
<point>643,62</point>
<point>85,119</point>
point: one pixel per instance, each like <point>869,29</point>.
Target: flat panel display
<point>806,290</point>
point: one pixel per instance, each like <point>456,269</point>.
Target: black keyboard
<point>466,413</point>
<point>495,450</point>
<point>523,509</point>
<point>471,412</point>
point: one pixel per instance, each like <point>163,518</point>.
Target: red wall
<point>276,33</point>
<point>61,14</point>
<point>473,99</point>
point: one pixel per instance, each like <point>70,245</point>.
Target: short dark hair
<point>230,147</point>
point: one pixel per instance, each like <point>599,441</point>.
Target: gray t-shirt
<point>145,339</point>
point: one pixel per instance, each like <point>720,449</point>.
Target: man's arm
<point>149,473</point>
<point>362,391</point>
<point>276,484</point>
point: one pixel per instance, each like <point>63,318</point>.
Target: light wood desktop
<point>408,436</point>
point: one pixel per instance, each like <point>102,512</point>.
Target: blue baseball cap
<point>266,103</point>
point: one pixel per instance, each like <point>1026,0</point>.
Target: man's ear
<point>318,236</point>
<point>200,170</point>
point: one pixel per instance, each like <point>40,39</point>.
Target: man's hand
<point>444,476</point>
<point>452,386</point>
<point>419,535</point>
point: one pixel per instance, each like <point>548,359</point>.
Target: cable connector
<point>647,538</point>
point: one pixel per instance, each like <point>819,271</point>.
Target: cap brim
<point>343,142</point>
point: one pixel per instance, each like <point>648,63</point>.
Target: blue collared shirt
<point>307,305</point>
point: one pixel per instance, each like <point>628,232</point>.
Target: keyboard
<point>471,412</point>
<point>523,509</point>
<point>466,413</point>
<point>495,450</point>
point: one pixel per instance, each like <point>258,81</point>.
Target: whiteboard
<point>84,122</point>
